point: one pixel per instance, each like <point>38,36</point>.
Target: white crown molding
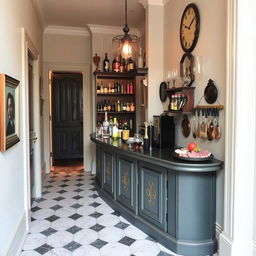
<point>145,3</point>
<point>39,12</point>
<point>63,30</point>
<point>114,30</point>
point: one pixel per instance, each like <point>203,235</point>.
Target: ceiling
<point>78,13</point>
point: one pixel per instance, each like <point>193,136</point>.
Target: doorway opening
<point>66,119</point>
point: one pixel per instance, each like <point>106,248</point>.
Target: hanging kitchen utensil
<point>210,129</point>
<point>203,127</point>
<point>185,126</point>
<point>217,131</point>
<point>198,122</point>
<point>210,92</point>
<point>194,130</point>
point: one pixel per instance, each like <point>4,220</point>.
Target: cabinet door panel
<point>126,182</point>
<point>109,172</point>
<point>99,165</point>
<point>152,194</point>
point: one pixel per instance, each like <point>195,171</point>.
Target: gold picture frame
<point>9,112</point>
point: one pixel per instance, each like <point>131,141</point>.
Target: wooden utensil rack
<point>220,107</point>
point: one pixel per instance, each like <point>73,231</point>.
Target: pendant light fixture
<point>126,44</point>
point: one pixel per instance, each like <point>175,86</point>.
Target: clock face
<point>189,28</point>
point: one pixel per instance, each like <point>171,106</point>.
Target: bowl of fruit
<point>192,153</point>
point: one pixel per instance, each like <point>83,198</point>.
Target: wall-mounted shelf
<point>186,92</point>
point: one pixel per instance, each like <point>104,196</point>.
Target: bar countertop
<point>162,157</point>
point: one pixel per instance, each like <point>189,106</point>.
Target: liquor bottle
<point>105,133</point>
<point>105,88</point>
<point>115,129</point>
<point>98,88</point>
<point>105,108</point>
<point>109,88</point>
<point>124,106</point>
<point>122,65</point>
<point>125,134</point>
<point>128,109</point>
<point>120,129</point>
<point>101,87</point>
<point>118,106</point>
<point>116,64</point>
<point>140,60</point>
<point>106,63</point>
<point>111,127</point>
<point>132,107</point>
<point>109,106</point>
<point>98,128</point>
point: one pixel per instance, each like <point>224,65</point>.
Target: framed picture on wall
<point>9,112</point>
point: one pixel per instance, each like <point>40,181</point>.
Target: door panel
<point>127,182</point>
<point>152,194</point>
<point>109,172</point>
<point>67,116</point>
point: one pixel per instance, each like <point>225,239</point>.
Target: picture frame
<point>9,112</point>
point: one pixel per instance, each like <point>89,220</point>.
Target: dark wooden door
<point>67,116</point>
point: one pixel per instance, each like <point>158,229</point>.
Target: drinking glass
<point>174,76</point>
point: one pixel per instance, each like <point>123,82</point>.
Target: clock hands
<point>191,22</point>
<point>188,27</point>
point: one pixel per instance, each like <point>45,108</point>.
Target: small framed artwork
<point>9,112</point>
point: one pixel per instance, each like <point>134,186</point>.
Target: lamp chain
<point>125,12</point>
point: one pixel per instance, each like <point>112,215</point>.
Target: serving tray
<point>192,159</point>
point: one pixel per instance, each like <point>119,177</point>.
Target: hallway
<point>71,219</point>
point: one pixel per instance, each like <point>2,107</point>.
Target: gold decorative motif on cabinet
<point>150,192</point>
<point>108,170</point>
<point>125,181</point>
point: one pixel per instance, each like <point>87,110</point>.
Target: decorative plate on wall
<point>210,92</point>
<point>162,91</point>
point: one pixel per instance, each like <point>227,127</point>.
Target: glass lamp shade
<point>126,49</point>
<point>126,46</point>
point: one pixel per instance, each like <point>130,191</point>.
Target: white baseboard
<point>225,245</point>
<point>18,239</point>
<point>218,229</point>
<point>254,248</point>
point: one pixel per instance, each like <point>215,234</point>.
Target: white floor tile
<point>86,222</point>
<point>115,249</point>
<point>85,236</point>
<point>42,214</point>
<point>87,251</point>
<point>39,226</point>
<point>108,220</point>
<point>135,233</point>
<point>144,248</point>
<point>60,239</point>
<point>63,224</point>
<point>111,234</point>
<point>65,212</point>
<point>33,241</point>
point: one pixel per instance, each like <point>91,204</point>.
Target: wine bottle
<point>125,134</point>
<point>115,129</point>
<point>106,127</point>
<point>106,63</point>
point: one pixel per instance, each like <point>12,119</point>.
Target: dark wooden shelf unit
<point>189,93</point>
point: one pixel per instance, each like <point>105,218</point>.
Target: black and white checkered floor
<point>72,220</point>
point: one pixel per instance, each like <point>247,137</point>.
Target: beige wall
<point>211,47</point>
<point>14,15</point>
<point>67,49</point>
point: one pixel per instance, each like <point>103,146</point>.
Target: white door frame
<point>28,47</point>
<point>87,108</point>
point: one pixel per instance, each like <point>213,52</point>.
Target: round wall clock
<point>189,28</point>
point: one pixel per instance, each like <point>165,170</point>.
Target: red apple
<point>192,146</point>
